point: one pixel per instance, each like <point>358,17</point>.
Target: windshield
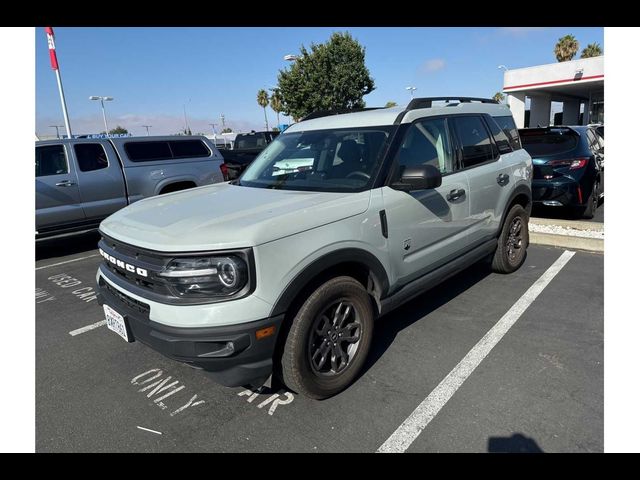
<point>338,160</point>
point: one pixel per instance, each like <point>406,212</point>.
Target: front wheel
<point>329,339</point>
<point>512,242</point>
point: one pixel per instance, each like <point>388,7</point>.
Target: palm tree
<point>591,50</point>
<point>390,104</point>
<point>566,48</point>
<point>276,102</point>
<point>498,97</point>
<point>263,101</point>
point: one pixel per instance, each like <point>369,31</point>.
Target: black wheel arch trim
<point>324,263</point>
<point>521,189</point>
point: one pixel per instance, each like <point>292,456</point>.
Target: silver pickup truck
<point>79,182</point>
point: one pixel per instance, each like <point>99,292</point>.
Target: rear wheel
<point>512,242</point>
<point>329,339</point>
<point>592,203</point>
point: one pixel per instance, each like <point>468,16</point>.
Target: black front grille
<point>138,257</point>
<point>130,302</point>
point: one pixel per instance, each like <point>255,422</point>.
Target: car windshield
<point>336,160</point>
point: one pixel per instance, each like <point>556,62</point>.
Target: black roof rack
<point>426,102</point>
<point>326,113</point>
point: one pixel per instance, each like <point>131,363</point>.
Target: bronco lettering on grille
<point>123,265</point>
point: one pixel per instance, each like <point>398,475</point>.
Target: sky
<point>155,75</point>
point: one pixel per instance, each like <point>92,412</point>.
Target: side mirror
<point>419,177</point>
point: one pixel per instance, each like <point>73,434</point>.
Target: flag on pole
<point>52,47</point>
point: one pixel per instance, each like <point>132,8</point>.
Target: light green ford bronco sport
<point>287,271</point>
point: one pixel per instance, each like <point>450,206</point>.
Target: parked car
<point>246,147</point>
<point>80,182</point>
<point>286,273</point>
<point>568,167</point>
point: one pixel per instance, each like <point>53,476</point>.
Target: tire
<point>506,260</point>
<point>592,202</point>
<point>303,370</point>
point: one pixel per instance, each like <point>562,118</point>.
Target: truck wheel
<point>512,242</point>
<point>329,339</point>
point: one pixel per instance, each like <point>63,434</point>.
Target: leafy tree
<point>498,97</point>
<point>226,130</point>
<point>118,130</point>
<point>276,102</point>
<point>263,101</point>
<point>331,76</point>
<point>390,104</point>
<point>591,50</point>
<point>566,48</point>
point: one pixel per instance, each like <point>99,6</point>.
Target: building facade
<point>577,84</point>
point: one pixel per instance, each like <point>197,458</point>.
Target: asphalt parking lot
<point>539,389</point>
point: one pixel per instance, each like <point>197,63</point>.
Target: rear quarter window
<point>548,143</point>
<point>508,126</point>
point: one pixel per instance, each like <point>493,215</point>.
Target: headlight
<point>221,276</point>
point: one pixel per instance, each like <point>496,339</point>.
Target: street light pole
<point>104,115</point>
<point>411,89</point>
<point>147,127</point>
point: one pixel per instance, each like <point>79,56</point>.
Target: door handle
<point>503,179</point>
<point>455,194</point>
<point>65,183</point>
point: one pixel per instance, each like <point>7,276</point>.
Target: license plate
<point>116,322</point>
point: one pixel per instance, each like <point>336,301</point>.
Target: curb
<point>566,241</point>
<point>575,224</point>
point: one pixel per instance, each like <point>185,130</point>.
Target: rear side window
<point>90,156</point>
<point>508,126</point>
<point>189,148</point>
<point>148,151</point>
<point>548,143</point>
<point>474,140</point>
<point>51,160</point>
<point>502,142</point>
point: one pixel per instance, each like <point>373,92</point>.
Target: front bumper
<point>231,354</point>
<point>559,193</point>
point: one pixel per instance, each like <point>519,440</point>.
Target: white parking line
<point>148,430</point>
<point>78,331</point>
<point>406,433</point>
<point>68,261</point>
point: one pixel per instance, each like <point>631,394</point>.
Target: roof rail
<point>426,102</point>
<point>326,113</point>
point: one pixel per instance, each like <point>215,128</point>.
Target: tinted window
<point>252,141</point>
<point>189,148</point>
<point>508,126</point>
<point>51,160</point>
<point>147,151</point>
<point>474,140</point>
<point>90,156</point>
<point>426,143</point>
<point>541,143</point>
<point>502,142</point>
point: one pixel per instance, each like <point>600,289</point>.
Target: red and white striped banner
<point>52,48</point>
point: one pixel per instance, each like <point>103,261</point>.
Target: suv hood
<point>225,216</point>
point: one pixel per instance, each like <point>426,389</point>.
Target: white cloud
<point>433,65</point>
